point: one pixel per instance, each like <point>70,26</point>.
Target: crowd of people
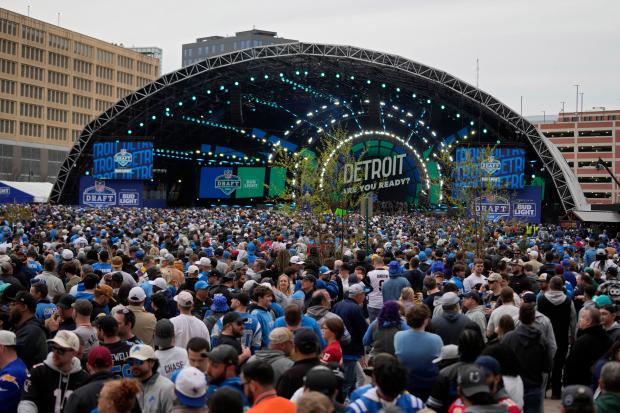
<point>260,310</point>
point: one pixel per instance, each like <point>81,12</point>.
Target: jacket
<point>145,324</point>
<point>157,395</point>
<point>449,326</point>
<point>369,402</point>
<point>320,314</point>
<point>393,286</point>
<point>85,398</point>
<point>53,282</point>
<point>529,346</point>
<point>614,332</point>
<point>293,378</point>
<point>354,320</point>
<point>31,342</point>
<point>46,387</point>
<point>265,319</point>
<point>477,315</point>
<point>608,403</point>
<point>591,344</point>
<point>278,361</point>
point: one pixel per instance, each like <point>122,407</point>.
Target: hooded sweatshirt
<point>393,286</point>
<point>531,350</point>
<point>320,314</point>
<point>47,388</point>
<point>276,359</point>
<point>449,326</point>
<point>608,402</point>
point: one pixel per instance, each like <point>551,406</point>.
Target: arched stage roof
<point>291,94</point>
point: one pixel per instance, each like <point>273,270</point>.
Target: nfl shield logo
<point>123,158</point>
<point>227,183</point>
<point>99,186</point>
<point>491,165</point>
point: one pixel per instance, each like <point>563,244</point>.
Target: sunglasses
<point>135,362</point>
<point>58,350</point>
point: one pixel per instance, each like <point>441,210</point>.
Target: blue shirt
<point>12,378</point>
<point>266,324</point>
<point>369,402</point>
<point>44,310</point>
<point>104,267</point>
<point>416,351</point>
<point>252,332</point>
<point>232,383</point>
<point>306,322</point>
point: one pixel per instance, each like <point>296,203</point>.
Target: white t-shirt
<point>377,278</point>
<point>472,280</point>
<point>186,327</point>
<point>170,360</point>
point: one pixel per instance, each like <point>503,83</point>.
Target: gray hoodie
<point>320,314</point>
<point>157,395</point>
<point>276,358</point>
<point>478,316</point>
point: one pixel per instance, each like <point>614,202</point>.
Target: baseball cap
<point>321,379</point>
<point>295,259</point>
<point>448,352</point>
<point>164,333</point>
<point>184,299</point>
<point>204,261</point>
<point>8,338</point>
<point>601,300</point>
<point>449,298</point>
<point>117,277</point>
<point>229,276</point>
<point>533,254</point>
<point>601,251</point>
<point>117,261</point>
<point>23,297</point>
<point>201,285</point>
<point>169,257</point>
<point>394,267</point>
<point>577,395</point>
<point>83,306</point>
<point>518,262</point>
<point>474,295</point>
<point>528,297</point>
<point>100,356</point>
<point>494,277</point>
<point>280,335</point>
<point>306,341</point>
<point>489,363</point>
<point>309,277</point>
<point>190,386</point>
<point>224,353</point>
<point>142,352</point>
<point>66,339</point>
<point>233,317</point>
<point>192,269</point>
<point>324,270</point>
<point>159,283</point>
<point>136,295</point>
<point>65,301</point>
<point>356,289</point>
<point>104,289</point>
<point>471,379</point>
<point>67,254</point>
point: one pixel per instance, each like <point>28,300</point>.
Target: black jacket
<point>591,344</point>
<point>449,326</point>
<point>85,398</point>
<point>293,378</point>
<point>353,318</point>
<point>31,342</point>
<point>529,345</point>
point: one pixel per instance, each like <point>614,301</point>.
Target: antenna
<point>29,10</point>
<point>581,101</point>
<point>477,72</point>
<point>58,18</point>
<point>577,100</point>
<point>563,103</point>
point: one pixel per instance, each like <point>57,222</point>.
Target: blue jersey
<point>306,322</point>
<point>369,402</point>
<point>35,266</point>
<point>252,332</point>
<point>12,378</point>
<point>44,310</point>
<point>233,383</point>
<point>265,319</point>
<point>104,267</point>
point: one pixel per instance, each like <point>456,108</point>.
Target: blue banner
<point>10,195</point>
<point>521,205</point>
<point>100,194</point>
<point>123,160</point>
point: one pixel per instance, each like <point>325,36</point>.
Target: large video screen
<point>241,182</point>
<point>123,160</point>
<point>480,167</point>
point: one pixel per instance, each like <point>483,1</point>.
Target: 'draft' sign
<point>375,174</point>
<point>522,205</point>
<point>110,193</point>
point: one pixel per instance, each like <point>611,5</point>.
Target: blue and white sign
<point>522,205</point>
<point>123,160</point>
<point>118,193</point>
<point>227,182</point>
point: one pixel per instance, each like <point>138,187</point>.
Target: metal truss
<point>569,190</point>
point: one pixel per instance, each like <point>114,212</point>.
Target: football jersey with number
<point>377,278</point>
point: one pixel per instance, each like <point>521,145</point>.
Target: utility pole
<point>563,103</point>
<point>577,100</point>
<point>521,105</point>
<point>581,102</point>
<point>29,10</point>
<point>477,73</point>
<point>544,116</point>
<point>58,18</point>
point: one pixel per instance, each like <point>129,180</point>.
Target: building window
<point>586,133</point>
<point>595,149</point>
<point>58,60</point>
<point>57,134</point>
<point>54,162</point>
<point>559,134</point>
<point>32,53</point>
<point>82,49</point>
<point>566,148</point>
<point>594,179</point>
<point>82,84</point>
<point>82,67</point>
<point>597,195</point>
<point>6,161</point>
<point>57,96</point>
<point>30,129</point>
<point>7,126</point>
<point>8,47</point>
<point>7,66</point>
<point>7,106</point>
<point>31,164</point>
<point>30,110</point>
<point>7,86</point>
<point>31,91</point>
<point>8,27</point>
<point>32,72</point>
<point>57,78</point>
<point>81,101</point>
<point>33,35</point>
<point>57,115</point>
<point>58,42</point>
<point>586,164</point>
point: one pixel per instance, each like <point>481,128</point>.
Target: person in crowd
<point>332,331</point>
<point>99,366</point>
<point>418,358</point>
<point>222,365</point>
<point>350,310</point>
<point>449,324</point>
<point>13,372</point>
<point>126,320</point>
<point>145,321</point>
<point>31,337</point>
<point>171,358</point>
<point>507,307</point>
<point>389,378</point>
<point>474,391</point>
<point>190,388</point>
<point>278,355</point>
<point>376,277</point>
<point>231,334</point>
<point>156,391</point>
<point>476,277</point>
<point>45,309</point>
<point>118,396</point>
<point>197,350</point>
<point>187,326</point>
<point>609,384</point>
<point>395,283</point>
<point>577,399</point>
<point>263,297</point>
<point>49,385</point>
<point>83,327</point>
<point>472,302</point>
<point>325,380</point>
<point>101,300</point>
<point>380,333</point>
<point>52,280</point>
<point>107,332</point>
<point>314,402</point>
<point>225,400</point>
<point>258,380</point>
<point>307,349</point>
<point>294,319</point>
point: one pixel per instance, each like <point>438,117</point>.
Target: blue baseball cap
<point>201,285</point>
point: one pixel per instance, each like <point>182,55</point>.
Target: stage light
<point>87,173</point>
<point>297,72</point>
<point>180,103</point>
<point>167,109</point>
<point>458,115</point>
<point>180,181</point>
<point>443,107</point>
<point>484,131</point>
<point>153,117</point>
<point>266,76</point>
<point>414,96</point>
<point>322,74</point>
<point>236,83</point>
<point>428,101</point>
<point>129,132</point>
<point>383,85</point>
<point>141,124</point>
<point>352,78</point>
<point>193,97</point>
<point>337,75</point>
<point>305,73</point>
<point>498,142</point>
<point>533,176</point>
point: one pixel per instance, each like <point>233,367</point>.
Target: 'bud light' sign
<point>116,193</point>
<point>521,205</point>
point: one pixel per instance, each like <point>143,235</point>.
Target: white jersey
<point>377,278</point>
<point>171,360</point>
<point>186,327</point>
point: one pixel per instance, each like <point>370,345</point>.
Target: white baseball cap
<point>204,261</point>
<point>136,295</point>
<point>193,269</point>
<point>184,299</point>
<point>295,259</point>
<point>142,352</point>
<point>67,254</point>
<point>7,338</point>
<point>159,282</point>
<point>191,387</point>
<point>66,339</point>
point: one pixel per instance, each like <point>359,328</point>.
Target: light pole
<point>544,116</point>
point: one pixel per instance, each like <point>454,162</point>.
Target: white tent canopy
<point>40,191</point>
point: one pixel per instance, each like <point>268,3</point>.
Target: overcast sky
<point>537,49</point>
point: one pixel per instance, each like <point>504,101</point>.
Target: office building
<point>53,81</point>
<point>584,138</point>
<point>210,46</point>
